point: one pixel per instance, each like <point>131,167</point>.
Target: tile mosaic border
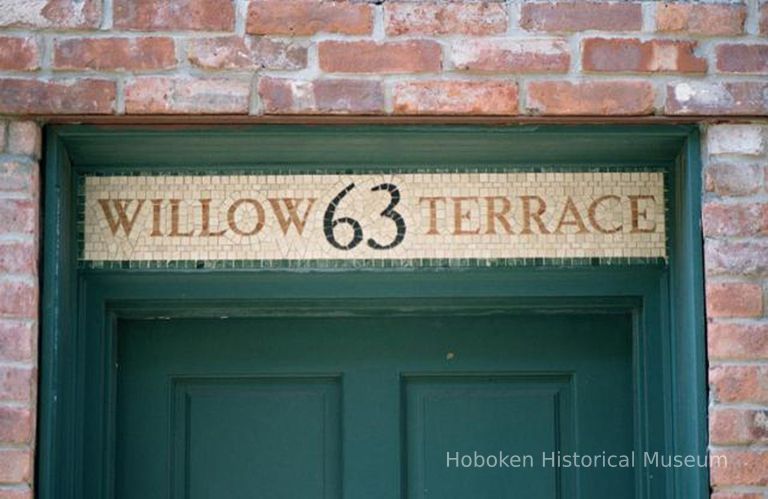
<point>360,264</point>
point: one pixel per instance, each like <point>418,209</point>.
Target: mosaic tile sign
<point>402,216</point>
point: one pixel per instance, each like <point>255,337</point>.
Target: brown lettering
<point>121,206</point>
<point>592,214</point>
<point>459,215</point>
<point>292,204</point>
<point>494,215</point>
<point>634,203</point>
<point>432,213</point>
<point>575,218</point>
<point>536,217</point>
<point>175,209</point>
<point>205,215</point>
<point>231,220</point>
<point>157,206</point>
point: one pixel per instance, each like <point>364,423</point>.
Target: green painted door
<point>374,407</point>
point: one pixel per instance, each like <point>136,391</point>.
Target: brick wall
<point>735,223</point>
<point>19,233</point>
<point>630,59</point>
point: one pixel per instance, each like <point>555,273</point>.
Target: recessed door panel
<point>370,407</point>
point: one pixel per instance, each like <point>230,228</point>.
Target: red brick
<point>434,18</point>
<point>308,17</point>
<point>456,97</point>
<point>81,96</point>
<point>735,219</point>
<point>16,383</point>
<point>739,383</point>
<point>15,425</point>
<point>717,98</point>
<point>18,178</point>
<point>18,299</point>
<point>19,53</point>
<point>734,299</point>
<point>15,465</point>
<point>18,258</point>
<point>590,98</point>
<point>764,19</point>
<point>742,58</point>
<point>150,15</point>
<point>733,180</point>
<point>18,340</point>
<point>738,426</point>
<point>57,14</point>
<point>169,95</point>
<point>235,52</point>
<point>742,257</point>
<point>737,495</point>
<point>700,19</point>
<point>24,138</point>
<point>737,341</point>
<point>290,96</point>
<point>413,56</point>
<point>504,55</point>
<point>18,216</point>
<point>744,468</point>
<point>116,53</point>
<point>582,16</point>
<point>633,55</point>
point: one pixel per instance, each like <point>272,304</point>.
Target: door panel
<point>370,407</point>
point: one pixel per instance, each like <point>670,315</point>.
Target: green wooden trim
<point>78,308</point>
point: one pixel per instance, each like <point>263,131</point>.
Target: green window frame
<point>81,306</point>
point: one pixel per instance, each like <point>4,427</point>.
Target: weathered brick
<point>412,56</point>
<point>581,16</point>
<point>739,383</point>
<point>743,58</point>
<point>57,14</point>
<point>738,426</point>
<point>18,340</point>
<point>235,52</point>
<point>18,258</point>
<point>456,97</point>
<point>590,98</point>
<point>736,139</point>
<point>737,341</point>
<point>701,19</point>
<point>713,98</point>
<point>290,96</point>
<point>763,22</point>
<point>151,15</point>
<point>19,178</point>
<point>744,468</point>
<point>737,495</point>
<point>24,137</point>
<point>742,257</point>
<point>505,55</point>
<point>170,95</point>
<point>16,383</point>
<point>308,17</point>
<point>115,53</point>
<point>633,55</point>
<point>734,299</point>
<point>15,465</point>
<point>78,96</point>
<point>18,299</point>
<point>733,180</point>
<point>15,425</point>
<point>720,219</point>
<point>19,53</point>
<point>435,18</point>
<point>18,216</point>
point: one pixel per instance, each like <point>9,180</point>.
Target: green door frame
<point>81,307</point>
